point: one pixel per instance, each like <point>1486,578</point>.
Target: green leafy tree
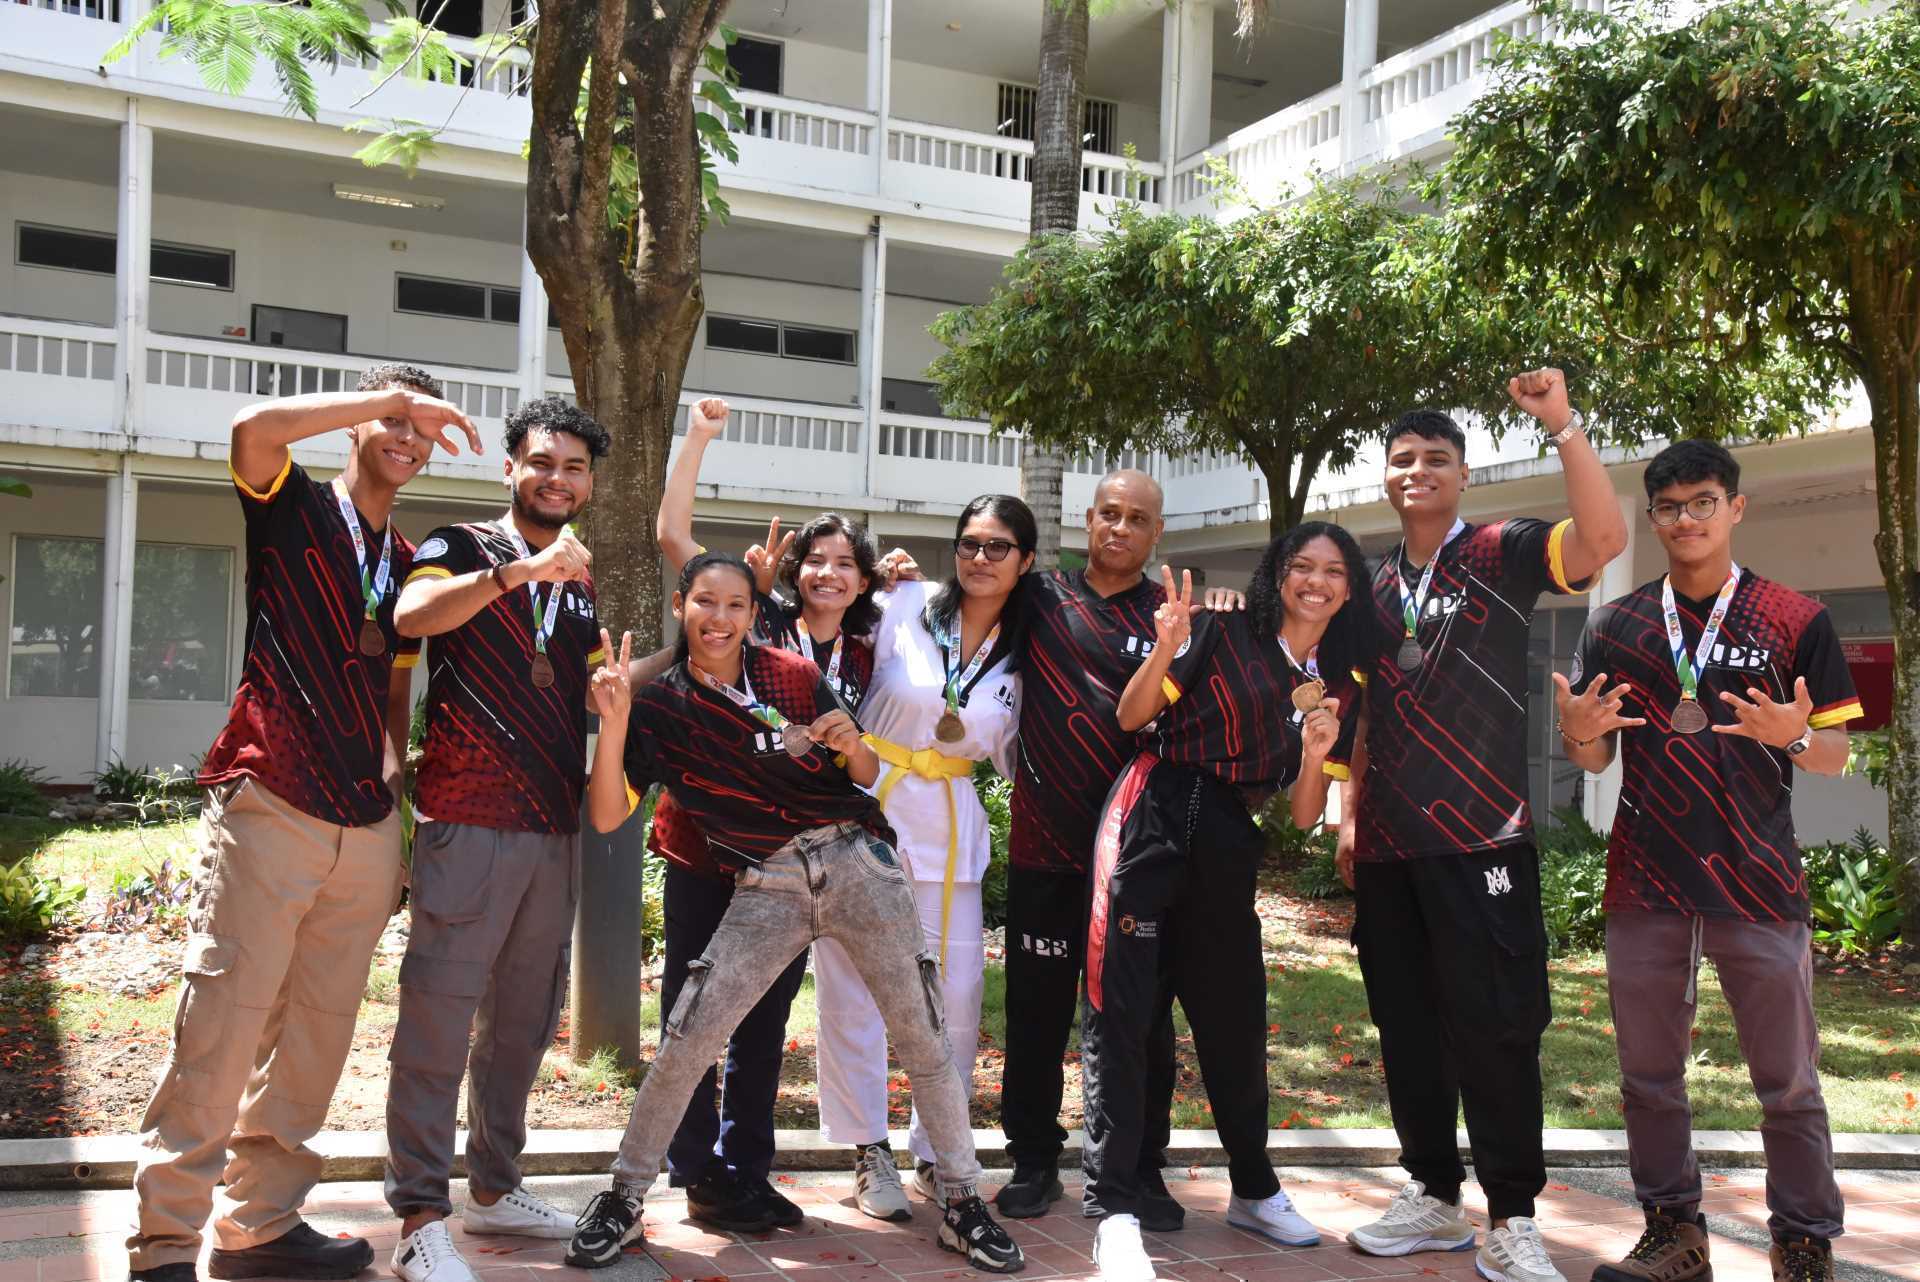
<point>1285,338</point>
<point>1728,205</point>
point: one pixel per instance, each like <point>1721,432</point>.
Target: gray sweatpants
<point>1766,971</point>
<point>489,950</point>
<point>828,883</point>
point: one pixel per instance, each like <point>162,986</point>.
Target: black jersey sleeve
<point>1339,762</point>
<point>1531,559</point>
<point>1192,655</point>
<point>446,552</point>
<point>1818,658</point>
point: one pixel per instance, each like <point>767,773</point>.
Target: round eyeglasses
<point>1700,507</point>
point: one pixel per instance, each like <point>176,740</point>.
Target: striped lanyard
<point>1311,668</point>
<point>371,589</point>
<point>542,628</point>
<point>804,643</point>
<point>742,696</point>
<point>1413,604</point>
<point>958,681</point>
<point>1691,670</point>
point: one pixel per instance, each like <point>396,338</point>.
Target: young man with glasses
<point>1715,685</point>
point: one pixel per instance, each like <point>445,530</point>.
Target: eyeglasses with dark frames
<point>1700,507</point>
<point>996,549</point>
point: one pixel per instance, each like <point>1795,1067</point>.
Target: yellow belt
<point>927,764</point>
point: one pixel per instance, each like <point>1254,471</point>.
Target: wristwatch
<point>1578,423</point>
<point>1801,744</point>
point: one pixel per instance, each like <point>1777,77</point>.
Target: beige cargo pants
<point>286,912</point>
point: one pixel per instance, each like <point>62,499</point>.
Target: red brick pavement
<point>80,1239</point>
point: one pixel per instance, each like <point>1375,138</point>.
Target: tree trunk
<point>1884,306</point>
<point>1283,504</point>
<point>1059,115</point>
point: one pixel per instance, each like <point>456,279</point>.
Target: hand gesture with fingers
<point>611,688</point>
<point>898,566</point>
<point>763,562</point>
<point>1173,621</point>
<point>708,417</point>
<point>565,560</point>
<point>837,731</point>
<point>1774,724</point>
<point>1319,730</point>
<point>1589,716</point>
<point>431,417</point>
<point>1226,599</point>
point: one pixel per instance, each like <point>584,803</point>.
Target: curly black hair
<point>552,414</point>
<point>693,569</point>
<point>1690,462</point>
<point>863,616</point>
<point>399,374</point>
<point>1346,643</point>
<point>945,604</point>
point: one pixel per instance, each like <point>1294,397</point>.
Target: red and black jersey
<point>309,721</point>
<point>1081,650</point>
<point>727,769</point>
<point>500,751</point>
<point>1446,765</point>
<point>1230,707</point>
<point>1705,821</point>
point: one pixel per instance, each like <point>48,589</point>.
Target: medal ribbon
<point>1311,668</point>
<point>1690,671</point>
<point>950,655</point>
<point>804,643</point>
<point>762,712</point>
<point>542,628</point>
<point>371,590</point>
<point>1412,605</point>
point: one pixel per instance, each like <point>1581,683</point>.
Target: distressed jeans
<point>834,883</point>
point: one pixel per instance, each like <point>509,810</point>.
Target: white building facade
<point>162,236</point>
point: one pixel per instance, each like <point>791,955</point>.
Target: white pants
<point>852,1040</point>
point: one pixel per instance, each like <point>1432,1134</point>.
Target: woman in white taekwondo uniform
<point>944,695</point>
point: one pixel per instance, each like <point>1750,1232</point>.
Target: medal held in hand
<point>373,642</point>
<point>1312,692</point>
<point>1414,604</point>
<point>796,739</point>
<point>950,728</point>
<point>1688,715</point>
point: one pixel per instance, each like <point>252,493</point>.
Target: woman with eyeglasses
<point>944,696</point>
<point>1233,707</point>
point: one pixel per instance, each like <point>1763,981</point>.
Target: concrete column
<point>1360,50</point>
<point>1616,580</point>
<point>133,271</point>
<point>113,648</point>
<point>879,80</point>
<point>873,328</point>
<point>533,327</point>
<point>1186,80</point>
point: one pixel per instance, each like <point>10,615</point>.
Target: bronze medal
<point>1410,656</point>
<point>373,642</point>
<point>950,729</point>
<point>1688,717</point>
<point>541,671</point>
<point>1309,694</point>
<point>797,740</point>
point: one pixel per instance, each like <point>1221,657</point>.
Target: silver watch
<point>1578,423</point>
<point>1801,744</point>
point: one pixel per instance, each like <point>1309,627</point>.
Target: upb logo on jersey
<point>1004,697</point>
<point>576,603</point>
<point>766,743</point>
<point>1139,647</point>
<point>1741,658</point>
<point>1439,607</point>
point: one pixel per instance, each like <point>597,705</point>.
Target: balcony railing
<point>1269,156</point>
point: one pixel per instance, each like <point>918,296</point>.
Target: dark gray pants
<point>489,950</point>
<point>1766,972</point>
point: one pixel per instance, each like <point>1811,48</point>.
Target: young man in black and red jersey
<point>299,842</point>
<point>1439,847</point>
<point>1091,629</point>
<point>509,605</point>
<point>1714,685</point>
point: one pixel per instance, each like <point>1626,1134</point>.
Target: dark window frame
<point>488,292</point>
<point>779,48</point>
<point>852,337</point>
<point>779,340</point>
<point>111,239</point>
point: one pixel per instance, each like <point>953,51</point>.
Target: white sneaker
<point>520,1213</point>
<point>427,1255</point>
<point>876,1186</point>
<point>1272,1217</point>
<point>1516,1253</point>
<point>1118,1252</point>
<point>926,1183</point>
<point>1413,1222</point>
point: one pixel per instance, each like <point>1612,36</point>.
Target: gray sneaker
<point>876,1185</point>
<point>1516,1253</point>
<point>1415,1221</point>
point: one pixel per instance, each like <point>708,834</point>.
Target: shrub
<point>120,782</point>
<point>1867,755</point>
<point>20,789</point>
<point>31,904</point>
<point>1573,881</point>
<point>167,796</point>
<point>996,794</point>
<point>1850,889</point>
<point>138,899</point>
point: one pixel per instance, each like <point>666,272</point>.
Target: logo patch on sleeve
<point>431,548</point>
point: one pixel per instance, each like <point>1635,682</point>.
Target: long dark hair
<point>693,569</point>
<point>1344,647</point>
<point>863,615</point>
<point>944,607</point>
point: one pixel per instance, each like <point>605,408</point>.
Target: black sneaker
<point>178,1271</point>
<point>1029,1193</point>
<point>1159,1212</point>
<point>968,1228</point>
<point>300,1252</point>
<point>603,1230</point>
<point>724,1201</point>
<point>782,1210</point>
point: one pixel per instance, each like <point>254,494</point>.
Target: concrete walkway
<point>1587,1212</point>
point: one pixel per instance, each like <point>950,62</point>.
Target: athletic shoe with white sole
<point>1516,1253</point>
<point>968,1228</point>
<point>427,1255</point>
<point>519,1213</point>
<point>1272,1217</point>
<point>1415,1221</point>
<point>1118,1253</point>
<point>925,1182</point>
<point>603,1230</point>
<point>876,1185</point>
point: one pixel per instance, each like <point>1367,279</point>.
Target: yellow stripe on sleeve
<point>407,659</point>
<point>429,572</point>
<point>256,495</point>
<point>1168,688</point>
<point>633,798</point>
<point>1556,555</point>
<point>1838,715</point>
<point>1336,770</point>
<point>598,656</point>
<point>1359,678</point>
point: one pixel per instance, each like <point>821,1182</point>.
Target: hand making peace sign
<point>764,563</point>
<point>1173,621</point>
<point>612,689</point>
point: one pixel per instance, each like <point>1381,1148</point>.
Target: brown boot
<point>1803,1259</point>
<point>1670,1250</point>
